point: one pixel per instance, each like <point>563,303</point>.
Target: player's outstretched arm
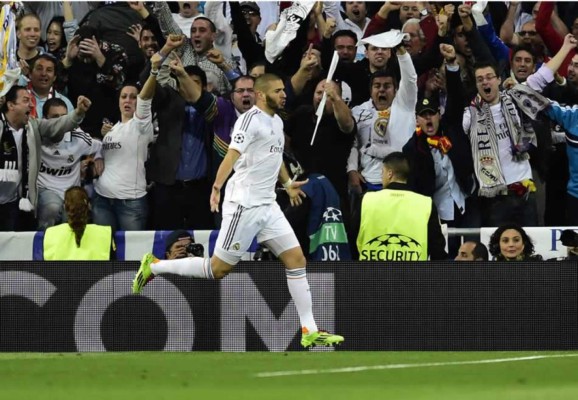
<point>293,188</point>
<point>222,174</point>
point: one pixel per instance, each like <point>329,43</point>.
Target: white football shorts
<point>240,225</point>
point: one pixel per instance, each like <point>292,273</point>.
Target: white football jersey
<point>260,140</point>
<point>60,162</point>
<point>124,149</point>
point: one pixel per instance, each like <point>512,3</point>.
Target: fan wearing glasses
<point>252,14</point>
<point>529,37</point>
<point>505,181</point>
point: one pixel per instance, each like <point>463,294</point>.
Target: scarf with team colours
<point>518,104</point>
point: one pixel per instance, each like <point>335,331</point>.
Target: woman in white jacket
<point>120,193</point>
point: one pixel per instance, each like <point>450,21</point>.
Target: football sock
<point>195,267</point>
<point>301,294</point>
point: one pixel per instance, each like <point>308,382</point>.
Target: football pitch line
<point>404,366</point>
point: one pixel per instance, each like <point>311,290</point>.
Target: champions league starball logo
<point>392,247</point>
<point>332,215</point>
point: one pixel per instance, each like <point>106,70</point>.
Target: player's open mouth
<point>381,98</point>
<point>355,12</point>
<point>246,103</point>
<point>487,90</point>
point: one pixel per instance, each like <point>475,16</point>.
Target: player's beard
<point>272,104</point>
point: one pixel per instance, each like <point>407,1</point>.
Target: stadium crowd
<point>479,97</point>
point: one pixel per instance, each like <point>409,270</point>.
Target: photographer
<point>569,238</point>
<point>181,244</point>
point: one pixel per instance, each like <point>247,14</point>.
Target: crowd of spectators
<point>478,97</point>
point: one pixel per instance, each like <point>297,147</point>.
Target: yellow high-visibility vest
<point>60,243</point>
<point>394,226</point>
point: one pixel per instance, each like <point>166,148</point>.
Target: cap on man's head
<point>252,5</point>
<point>430,104</point>
<point>175,236</point>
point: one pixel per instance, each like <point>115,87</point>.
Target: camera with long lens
<point>195,250</point>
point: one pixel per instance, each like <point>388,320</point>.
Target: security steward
<point>76,240</point>
<point>397,224</point>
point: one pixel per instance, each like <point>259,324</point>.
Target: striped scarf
<point>518,105</point>
<point>9,161</point>
<point>33,100</point>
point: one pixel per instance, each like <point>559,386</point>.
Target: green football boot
<point>144,274</point>
<point>320,338</point>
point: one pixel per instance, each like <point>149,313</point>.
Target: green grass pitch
<point>306,375</point>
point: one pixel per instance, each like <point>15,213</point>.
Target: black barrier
<point>60,307</point>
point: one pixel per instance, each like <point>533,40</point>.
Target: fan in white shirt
<point>120,192</point>
<point>60,166</point>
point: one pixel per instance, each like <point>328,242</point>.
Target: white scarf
<point>517,105</point>
<point>290,20</point>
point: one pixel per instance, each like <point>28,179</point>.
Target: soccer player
<point>250,209</point>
